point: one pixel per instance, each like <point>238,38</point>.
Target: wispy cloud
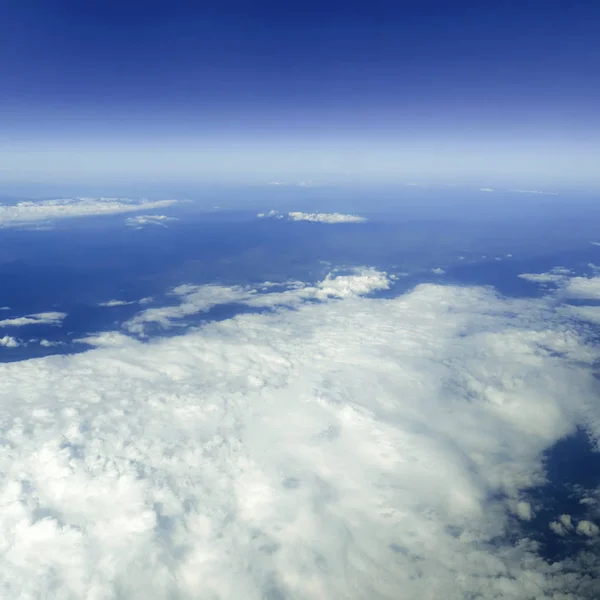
<point>538,192</point>
<point>43,318</point>
<point>14,215</point>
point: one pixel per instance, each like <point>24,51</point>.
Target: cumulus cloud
<point>196,299</point>
<point>583,288</point>
<point>587,528</point>
<point>9,342</point>
<point>329,218</point>
<point>49,344</point>
<point>43,318</point>
<point>344,447</point>
<point>140,221</point>
<point>272,214</point>
<point>22,213</point>
<point>438,271</point>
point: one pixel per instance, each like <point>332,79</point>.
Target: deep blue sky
<point>300,89</point>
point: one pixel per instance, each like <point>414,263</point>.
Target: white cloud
<point>112,303</point>
<point>557,275</point>
<point>272,214</point>
<point>583,288</point>
<point>44,318</point>
<point>330,218</point>
<point>15,215</point>
<point>587,528</point>
<point>595,243</point>
<point>438,271</point>
<point>352,447</point>
<point>524,511</point>
<point>196,299</point>
<point>486,189</point>
<point>49,344</point>
<point>9,342</point>
<point>140,221</point>
<point>537,192</point>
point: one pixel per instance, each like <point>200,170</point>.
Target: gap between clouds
<point>348,447</point>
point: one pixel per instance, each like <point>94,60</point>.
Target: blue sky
<point>338,91</point>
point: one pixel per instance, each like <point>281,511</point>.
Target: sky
<point>244,92</point>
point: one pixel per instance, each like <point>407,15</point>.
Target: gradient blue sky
<point>333,91</point>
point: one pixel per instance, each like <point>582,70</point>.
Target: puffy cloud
<point>583,288</point>
<point>49,344</point>
<point>344,447</point>
<point>587,528</point>
<point>196,299</point>
<point>438,271</point>
<point>272,214</point>
<point>329,218</point>
<point>9,342</point>
<point>140,221</point>
<point>43,318</point>
<point>22,213</point>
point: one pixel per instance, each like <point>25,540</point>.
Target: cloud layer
<point>340,446</point>
<point>15,215</point>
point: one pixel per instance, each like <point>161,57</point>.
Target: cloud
<point>112,303</point>
<point>49,344</point>
<point>329,218</point>
<point>557,275</point>
<point>538,192</point>
<point>272,214</point>
<point>438,271</point>
<point>23,213</point>
<point>344,447</point>
<point>142,220</point>
<point>583,288</point>
<point>9,342</point>
<point>44,318</point>
<point>196,299</point>
<point>587,528</point>
<point>486,189</point>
